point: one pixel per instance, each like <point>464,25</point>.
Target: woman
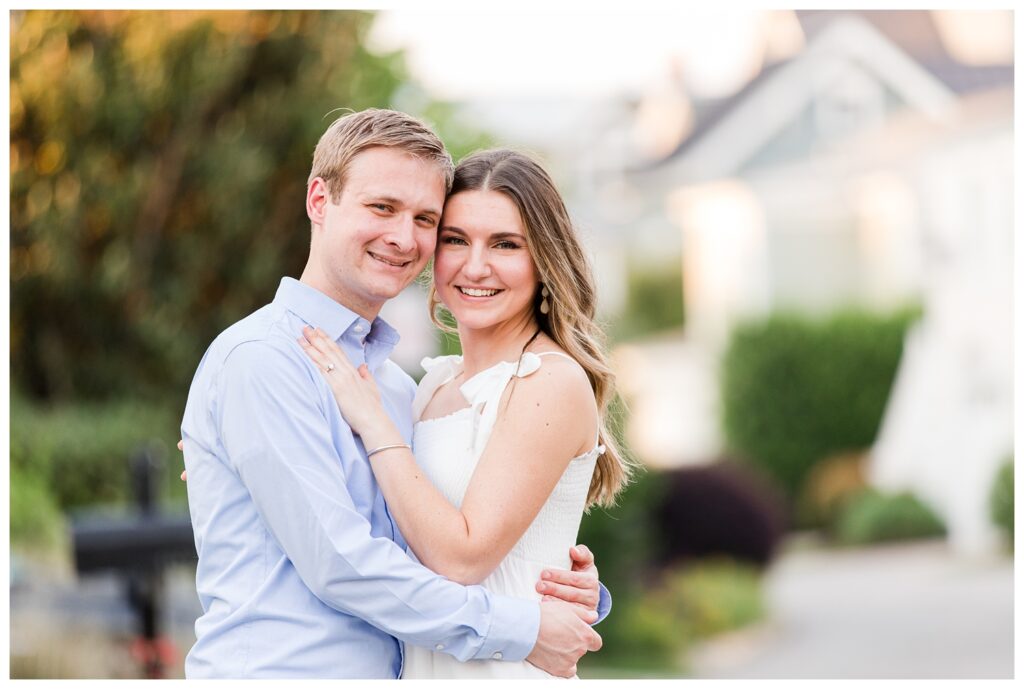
<point>512,434</point>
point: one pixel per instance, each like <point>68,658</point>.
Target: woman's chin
<point>474,321</point>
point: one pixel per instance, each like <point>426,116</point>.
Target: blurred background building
<point>801,223</point>
<point>871,167</point>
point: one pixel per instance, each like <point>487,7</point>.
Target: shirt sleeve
<point>277,437</point>
<point>604,603</point>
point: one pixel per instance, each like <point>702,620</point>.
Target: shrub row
<point>78,455</point>
<point>1001,500</point>
<point>795,390</point>
<point>873,516</point>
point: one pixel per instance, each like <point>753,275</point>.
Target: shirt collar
<point>319,310</point>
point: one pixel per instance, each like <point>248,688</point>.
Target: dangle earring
<point>545,308</point>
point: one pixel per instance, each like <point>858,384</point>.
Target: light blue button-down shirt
<point>302,572</point>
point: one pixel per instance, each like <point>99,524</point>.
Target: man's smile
<point>389,261</point>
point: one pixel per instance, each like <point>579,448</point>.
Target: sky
<point>471,53</point>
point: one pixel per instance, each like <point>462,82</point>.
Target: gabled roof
<point>916,34</point>
<point>924,73</point>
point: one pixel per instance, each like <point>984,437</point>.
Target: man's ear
<point>316,200</point>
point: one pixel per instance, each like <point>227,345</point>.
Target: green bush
<point>622,541</point>
<point>654,299</point>
<point>829,484</point>
<point>645,636</point>
<point>796,390</point>
<point>36,521</point>
<point>1001,500</point>
<point>687,604</point>
<point>79,454</point>
<point>713,596</point>
<point>873,516</point>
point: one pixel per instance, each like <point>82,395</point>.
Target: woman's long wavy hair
<point>563,266</point>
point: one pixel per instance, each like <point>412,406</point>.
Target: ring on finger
<point>330,367</point>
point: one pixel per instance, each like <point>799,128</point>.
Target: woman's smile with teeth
<point>469,291</point>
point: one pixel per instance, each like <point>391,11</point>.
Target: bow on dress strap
<point>439,370</point>
<point>484,392</point>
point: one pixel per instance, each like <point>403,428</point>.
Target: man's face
<point>380,234</point>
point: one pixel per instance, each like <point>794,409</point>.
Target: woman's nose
<point>477,265</point>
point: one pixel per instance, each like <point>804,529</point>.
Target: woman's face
<point>483,271</point>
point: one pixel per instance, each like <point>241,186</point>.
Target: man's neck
<point>367,311</point>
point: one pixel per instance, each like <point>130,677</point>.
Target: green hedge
<point>1001,500</point>
<point>36,520</point>
<point>621,539</point>
<point>873,517</point>
<point>77,455</point>
<point>653,629</point>
<point>795,390</point>
<point>654,299</point>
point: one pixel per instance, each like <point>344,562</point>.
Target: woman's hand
<point>354,390</point>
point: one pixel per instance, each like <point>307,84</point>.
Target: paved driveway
<point>895,611</point>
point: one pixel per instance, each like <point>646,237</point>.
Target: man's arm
<point>277,437</point>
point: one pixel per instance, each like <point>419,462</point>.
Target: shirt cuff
<point>515,623</point>
<point>604,604</point>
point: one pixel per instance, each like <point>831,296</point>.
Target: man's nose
<point>402,233</point>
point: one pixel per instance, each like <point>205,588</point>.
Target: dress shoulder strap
<point>561,354</point>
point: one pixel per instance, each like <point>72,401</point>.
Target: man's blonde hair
<point>351,134</point>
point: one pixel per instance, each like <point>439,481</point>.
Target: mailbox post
<point>138,548</point>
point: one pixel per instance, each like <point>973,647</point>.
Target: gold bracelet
<point>375,450</point>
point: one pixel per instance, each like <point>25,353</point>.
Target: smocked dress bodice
<point>447,449</point>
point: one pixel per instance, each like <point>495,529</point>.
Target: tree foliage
<point>158,171</point>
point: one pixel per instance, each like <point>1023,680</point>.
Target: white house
<point>869,168</point>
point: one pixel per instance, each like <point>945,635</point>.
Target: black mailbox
<point>138,547</point>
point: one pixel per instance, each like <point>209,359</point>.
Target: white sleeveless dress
<point>448,449</point>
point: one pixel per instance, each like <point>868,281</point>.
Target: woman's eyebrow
<point>496,235</point>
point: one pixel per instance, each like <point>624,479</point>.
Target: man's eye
<point>381,206</point>
<point>428,220</point>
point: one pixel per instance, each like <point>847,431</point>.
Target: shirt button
<point>497,655</point>
<point>439,647</point>
<point>358,328</point>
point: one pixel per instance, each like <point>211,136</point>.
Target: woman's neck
<point>483,348</point>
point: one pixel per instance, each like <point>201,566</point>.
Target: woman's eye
<point>452,240</point>
<point>507,245</point>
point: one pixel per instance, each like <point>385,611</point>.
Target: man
<point>302,572</point>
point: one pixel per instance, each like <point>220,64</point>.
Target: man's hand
<point>578,586</point>
<point>563,639</point>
